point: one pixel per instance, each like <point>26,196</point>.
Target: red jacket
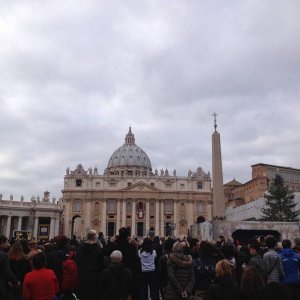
<point>40,285</point>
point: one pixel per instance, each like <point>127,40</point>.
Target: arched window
<point>141,206</point>
<point>169,207</point>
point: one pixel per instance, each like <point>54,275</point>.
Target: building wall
<point>152,201</point>
<point>30,217</point>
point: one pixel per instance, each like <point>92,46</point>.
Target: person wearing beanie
<point>180,273</point>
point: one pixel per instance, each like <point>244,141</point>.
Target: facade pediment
<point>141,186</point>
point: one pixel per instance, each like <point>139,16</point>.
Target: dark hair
<point>275,291</point>
<point>3,238</point>
<point>39,260</point>
<point>286,244</point>
<point>168,245</point>
<point>124,232</point>
<point>147,245</point>
<point>227,251</point>
<point>252,283</point>
<point>206,248</point>
<point>255,245</point>
<point>193,242</point>
<point>16,251</point>
<point>61,241</point>
<point>156,239</point>
<point>271,242</point>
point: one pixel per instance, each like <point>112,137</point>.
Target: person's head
<point>254,248</point>
<point>116,256</point>
<point>100,235</point>
<point>223,269</point>
<point>275,291</point>
<point>286,244</point>
<point>168,245</point>
<point>271,242</point>
<point>194,244</point>
<point>206,248</point>
<point>156,240</point>
<point>147,245</point>
<point>92,236</point>
<point>61,241</point>
<point>39,260</point>
<point>252,283</point>
<point>178,247</point>
<point>124,233</point>
<point>16,251</point>
<point>227,251</point>
<point>4,244</point>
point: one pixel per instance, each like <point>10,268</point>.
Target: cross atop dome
<point>129,139</point>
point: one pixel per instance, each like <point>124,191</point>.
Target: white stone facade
<point>129,193</point>
<point>251,210</point>
<point>40,218</point>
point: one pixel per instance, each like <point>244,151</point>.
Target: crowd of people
<point>124,268</point>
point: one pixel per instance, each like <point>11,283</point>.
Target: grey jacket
<point>272,259</point>
<point>258,262</point>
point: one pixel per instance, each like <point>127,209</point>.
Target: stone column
<point>157,217</point>
<point>19,223</point>
<point>209,211</point>
<point>124,213</point>
<point>35,230</point>
<point>56,231</point>
<point>133,214</point>
<point>103,221</point>
<point>67,218</point>
<point>118,215</point>
<point>162,223</point>
<point>8,224</point>
<point>175,218</point>
<point>191,213</point>
<point>52,228</point>
<point>147,216</point>
<point>87,221</point>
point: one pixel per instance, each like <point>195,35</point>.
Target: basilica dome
<point>129,159</point>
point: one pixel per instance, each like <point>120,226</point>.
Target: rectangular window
<point>128,183</point>
<point>182,186</point>
<point>112,184</point>
<point>112,206</point>
<point>169,207</point>
<point>152,183</point>
<point>78,182</point>
<point>168,185</point>
<point>199,185</point>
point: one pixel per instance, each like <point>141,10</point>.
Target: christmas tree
<point>280,205</point>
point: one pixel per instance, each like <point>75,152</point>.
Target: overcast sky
<point>75,74</point>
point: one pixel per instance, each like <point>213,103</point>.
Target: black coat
<point>6,274</point>
<point>90,263</point>
<point>223,289</point>
<point>55,259</point>
<point>116,282</point>
<point>181,276</point>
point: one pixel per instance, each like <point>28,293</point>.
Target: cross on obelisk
<point>215,120</point>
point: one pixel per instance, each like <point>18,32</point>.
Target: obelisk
<point>217,174</point>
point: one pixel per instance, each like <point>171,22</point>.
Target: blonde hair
<point>223,268</point>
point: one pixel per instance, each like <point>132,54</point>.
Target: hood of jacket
<point>181,260</point>
<point>288,252</point>
<point>89,247</point>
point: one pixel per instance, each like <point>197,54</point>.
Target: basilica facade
<point>130,193</point>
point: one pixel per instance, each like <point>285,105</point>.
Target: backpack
<point>69,273</point>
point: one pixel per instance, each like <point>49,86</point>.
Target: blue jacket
<point>291,266</point>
